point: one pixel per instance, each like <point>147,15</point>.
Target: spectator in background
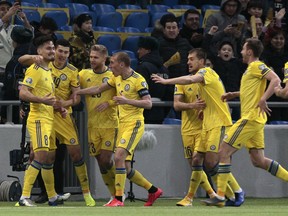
<point>259,30</point>
<point>81,42</point>
<point>14,71</point>
<point>277,6</point>
<point>174,51</point>
<point>275,55</point>
<point>231,25</point>
<point>150,62</point>
<point>191,29</point>
<point>227,66</point>
<point>7,11</point>
<point>255,8</point>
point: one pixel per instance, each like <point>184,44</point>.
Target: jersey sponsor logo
<point>212,147</point>
<point>127,87</point>
<point>122,141</point>
<point>107,143</point>
<point>144,84</point>
<point>72,141</point>
<point>29,80</point>
<point>202,71</point>
<point>105,80</point>
<point>63,77</point>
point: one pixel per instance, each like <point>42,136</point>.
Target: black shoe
<point>42,198</point>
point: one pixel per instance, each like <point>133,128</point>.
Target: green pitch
<point>162,207</point>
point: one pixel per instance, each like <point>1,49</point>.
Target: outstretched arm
<point>183,80</point>
<point>229,95</point>
<point>180,105</point>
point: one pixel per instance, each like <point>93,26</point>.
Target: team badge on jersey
<point>175,89</point>
<point>122,141</point>
<point>107,143</point>
<point>212,147</point>
<point>29,80</point>
<point>202,71</point>
<point>144,84</point>
<point>286,72</point>
<point>127,87</point>
<point>72,141</point>
<point>63,77</point>
<point>262,66</point>
<point>105,80</point>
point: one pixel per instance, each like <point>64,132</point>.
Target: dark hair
<point>62,42</point>
<point>256,4</point>
<point>123,57</point>
<point>191,11</point>
<point>168,18</point>
<point>225,42</point>
<point>200,53</point>
<point>48,23</point>
<point>255,45</point>
<point>41,40</point>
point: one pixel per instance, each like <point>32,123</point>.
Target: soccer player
<point>249,129</point>
<point>187,100</point>
<point>38,89</point>
<point>66,81</point>
<point>279,91</point>
<point>132,97</point>
<point>216,118</point>
<point>102,115</point>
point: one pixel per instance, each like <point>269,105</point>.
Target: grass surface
<point>165,207</point>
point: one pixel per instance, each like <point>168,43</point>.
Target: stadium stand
<point>138,20</point>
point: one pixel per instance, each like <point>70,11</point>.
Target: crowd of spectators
<point>222,36</point>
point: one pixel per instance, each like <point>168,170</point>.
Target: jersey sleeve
<point>142,87</point>
<point>31,77</point>
<point>260,70</point>
<point>285,73</point>
<point>179,90</point>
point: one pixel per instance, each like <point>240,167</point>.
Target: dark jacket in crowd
<point>187,33</point>
<point>149,64</point>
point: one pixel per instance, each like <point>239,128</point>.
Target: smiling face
<point>171,30</point>
<point>226,52</point>
<point>61,54</point>
<point>47,51</point>
<point>278,41</point>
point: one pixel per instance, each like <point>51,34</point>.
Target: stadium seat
<point>59,36</point>
<point>66,28</point>
<point>112,42</point>
<point>129,6</point>
<point>32,15</point>
<point>34,2</point>
<point>149,29</point>
<point>75,9</point>
<point>103,29</point>
<point>130,53</point>
<point>185,7</point>
<point>134,63</point>
<point>209,6</point>
<point>152,8</point>
<point>172,121</point>
<point>60,17</point>
<point>102,8</point>
<point>170,3</point>
<point>138,20</point>
<point>111,20</point>
<point>61,3</point>
<point>28,4</point>
<point>49,5</point>
<point>131,43</point>
<point>128,29</point>
<point>156,16</point>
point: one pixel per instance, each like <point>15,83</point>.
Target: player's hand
<point>49,100</point>
<point>263,108</point>
<point>59,103</point>
<point>103,106</point>
<point>37,59</point>
<point>199,105</point>
<point>157,79</point>
<point>21,113</point>
<point>120,100</point>
<point>227,96</point>
<point>213,30</point>
<point>63,112</point>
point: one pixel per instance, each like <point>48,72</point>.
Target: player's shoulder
<point>71,67</point>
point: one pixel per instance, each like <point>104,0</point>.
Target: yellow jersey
<point>109,117</point>
<point>64,78</point>
<point>285,73</point>
<point>190,123</point>
<point>216,112</point>
<point>134,87</point>
<point>251,90</point>
<point>40,81</point>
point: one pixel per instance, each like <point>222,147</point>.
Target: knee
<point>257,163</point>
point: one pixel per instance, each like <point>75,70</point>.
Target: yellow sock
<point>206,185</point>
<point>137,178</point>
<point>277,170</point>
<point>81,171</point>
<point>120,178</point>
<point>194,182</point>
<point>222,178</point>
<point>109,182</point>
<point>30,177</point>
<point>48,179</point>
<point>233,183</point>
